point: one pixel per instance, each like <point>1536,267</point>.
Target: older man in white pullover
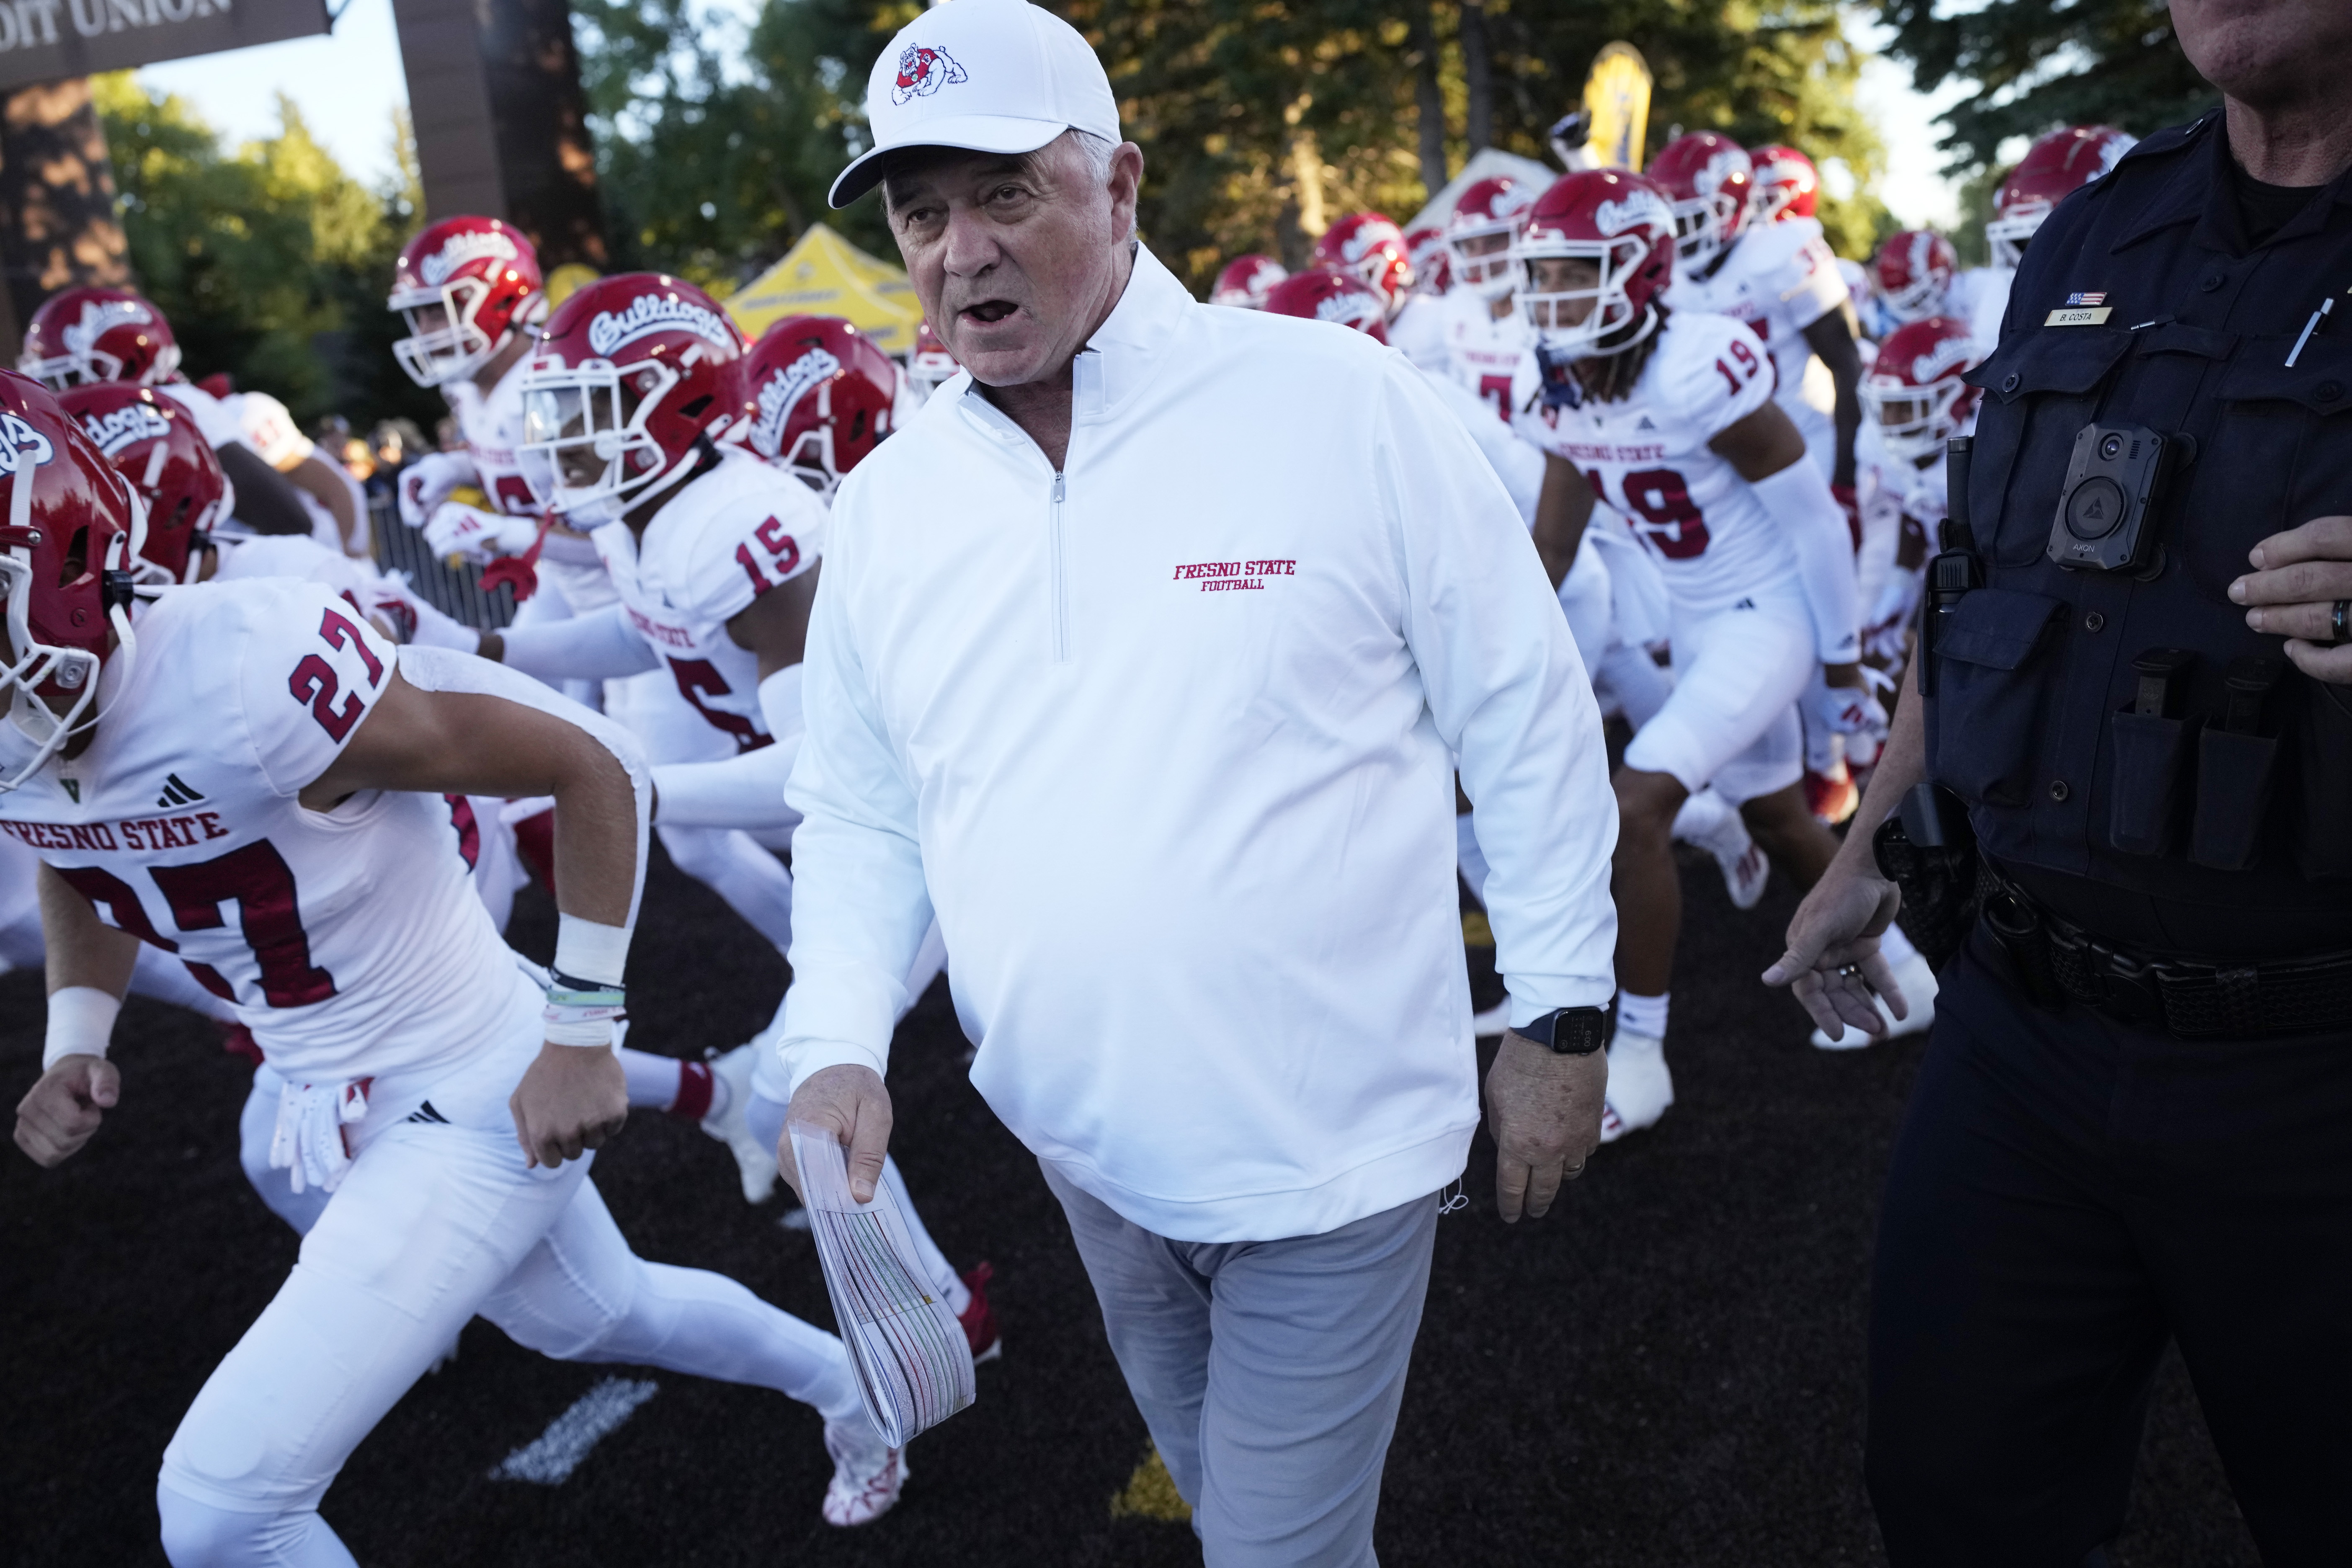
<point>1144,655</point>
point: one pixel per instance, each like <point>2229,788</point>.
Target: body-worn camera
<point>2106,513</point>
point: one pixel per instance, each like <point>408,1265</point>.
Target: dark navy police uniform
<point>2135,1123</point>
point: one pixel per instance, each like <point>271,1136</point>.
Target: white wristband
<point>587,951</point>
<point>81,1023</point>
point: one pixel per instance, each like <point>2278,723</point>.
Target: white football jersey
<point>1647,457</point>
<point>1482,352</point>
<point>1418,331</point>
<point>350,941</point>
<point>718,543</point>
<point>1778,281</point>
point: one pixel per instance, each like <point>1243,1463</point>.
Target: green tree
<point>716,143</point>
<point>271,262</point>
<point>1261,121</point>
<point>2040,66</point>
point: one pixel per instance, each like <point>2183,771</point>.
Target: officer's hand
<point>1833,952</point>
<point>2298,576</point>
<point>66,1106</point>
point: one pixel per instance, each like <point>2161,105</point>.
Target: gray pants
<point>1269,1372</point>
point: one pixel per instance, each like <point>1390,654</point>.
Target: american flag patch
<point>2087,298</point>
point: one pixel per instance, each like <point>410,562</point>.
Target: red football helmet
<point>1321,294</point>
<point>1621,224</point>
<point>1912,270</point>
<point>482,277</point>
<point>1709,178</point>
<point>1787,184</point>
<point>817,397</point>
<point>1915,394</point>
<point>67,541</point>
<point>80,336</point>
<point>1432,272</point>
<point>153,442</point>
<point>1370,248</point>
<point>929,363</point>
<point>1245,281</point>
<point>1490,209</point>
<point>2052,169</point>
<point>631,380</point>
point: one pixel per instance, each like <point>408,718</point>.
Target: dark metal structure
<point>500,123</point>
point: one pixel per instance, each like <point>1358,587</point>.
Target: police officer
<point>2133,1121</point>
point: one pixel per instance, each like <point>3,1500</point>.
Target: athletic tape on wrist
<point>597,953</point>
<point>82,1023</point>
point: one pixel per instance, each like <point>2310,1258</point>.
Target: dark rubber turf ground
<point>1665,1372</point>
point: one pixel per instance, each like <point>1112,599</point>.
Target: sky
<point>348,83</point>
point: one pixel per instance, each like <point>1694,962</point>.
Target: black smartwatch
<point>1568,1031</point>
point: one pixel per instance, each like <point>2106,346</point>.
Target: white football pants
<point>438,1220</point>
<point>1731,720</point>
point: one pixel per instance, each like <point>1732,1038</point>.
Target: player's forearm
<point>1833,340</point>
<point>448,723</point>
<point>81,949</point>
<point>1563,509</point>
<point>601,645</point>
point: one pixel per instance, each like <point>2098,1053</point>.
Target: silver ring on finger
<point>2336,622</point>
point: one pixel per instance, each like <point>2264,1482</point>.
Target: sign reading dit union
<point>43,40</point>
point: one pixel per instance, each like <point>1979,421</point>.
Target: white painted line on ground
<point>558,1451</point>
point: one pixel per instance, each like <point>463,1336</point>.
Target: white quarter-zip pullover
<point>1167,738</point>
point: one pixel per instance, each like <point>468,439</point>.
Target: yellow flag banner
<point>1617,96</point>
<point>824,275</point>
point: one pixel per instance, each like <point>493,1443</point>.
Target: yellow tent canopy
<point>824,275</point>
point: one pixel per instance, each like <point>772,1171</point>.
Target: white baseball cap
<point>988,76</point>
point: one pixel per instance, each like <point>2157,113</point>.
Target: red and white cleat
<point>868,1474</point>
<point>1831,796</point>
<point>979,1319</point>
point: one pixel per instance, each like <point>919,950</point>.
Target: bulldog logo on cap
<point>923,71</point>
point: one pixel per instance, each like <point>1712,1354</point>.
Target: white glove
<point>391,602</point>
<point>1848,710</point>
<point>425,483</point>
<point>458,530</point>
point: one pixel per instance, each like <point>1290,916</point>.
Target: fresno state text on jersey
<point>181,825</point>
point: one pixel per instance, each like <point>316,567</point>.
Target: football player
<point>1781,281</point>
<point>470,290</point>
<point>1917,403</point>
<point>1669,417</point>
<point>442,1098</point>
<point>628,405</point>
<point>82,336</point>
<point>1484,333</point>
<point>2053,168</point>
<point>1788,187</point>
<point>152,442</point>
